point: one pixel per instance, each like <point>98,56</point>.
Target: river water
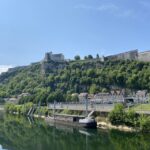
<point>19,133</point>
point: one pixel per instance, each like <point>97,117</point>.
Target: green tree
<point>74,98</point>
<point>90,57</point>
<point>97,56</point>
<point>77,57</point>
<point>85,57</point>
<point>93,89</point>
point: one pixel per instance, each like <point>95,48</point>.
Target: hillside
<point>75,77</point>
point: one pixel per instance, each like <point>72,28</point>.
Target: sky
<point>29,28</point>
<point>4,68</point>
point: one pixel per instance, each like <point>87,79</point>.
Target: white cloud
<point>108,8</point>
<point>126,13</point>
<point>82,6</point>
<point>145,3</point>
<point>103,7</point>
<point>4,68</point>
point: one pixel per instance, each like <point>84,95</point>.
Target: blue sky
<point>29,28</point>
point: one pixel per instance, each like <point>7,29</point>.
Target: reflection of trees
<point>17,134</point>
<point>21,135</point>
<point>129,141</point>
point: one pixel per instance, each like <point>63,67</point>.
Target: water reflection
<point>18,133</point>
<point>1,148</point>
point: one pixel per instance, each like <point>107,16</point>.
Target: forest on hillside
<point>92,76</point>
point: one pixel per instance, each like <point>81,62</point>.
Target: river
<point>19,133</point>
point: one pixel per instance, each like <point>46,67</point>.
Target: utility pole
<point>86,104</point>
<point>54,109</point>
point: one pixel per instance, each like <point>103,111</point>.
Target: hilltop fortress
<point>52,62</point>
<point>129,55</point>
<point>54,57</point>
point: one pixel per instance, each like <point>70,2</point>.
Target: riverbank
<point>118,118</point>
<point>106,125</point>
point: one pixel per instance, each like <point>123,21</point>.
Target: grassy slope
<point>142,107</point>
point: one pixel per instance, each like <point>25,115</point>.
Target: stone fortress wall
<point>144,56</point>
<point>131,55</point>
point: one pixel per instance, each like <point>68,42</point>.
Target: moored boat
<point>88,122</point>
<point>73,120</point>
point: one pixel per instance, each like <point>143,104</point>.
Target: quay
<point>81,107</point>
<point>102,109</point>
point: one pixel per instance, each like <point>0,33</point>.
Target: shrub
<point>119,117</point>
<point>66,111</point>
<point>116,116</point>
<point>131,118</point>
<point>9,107</point>
<point>20,109</point>
<point>42,111</point>
<point>144,123</point>
<point>25,108</point>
